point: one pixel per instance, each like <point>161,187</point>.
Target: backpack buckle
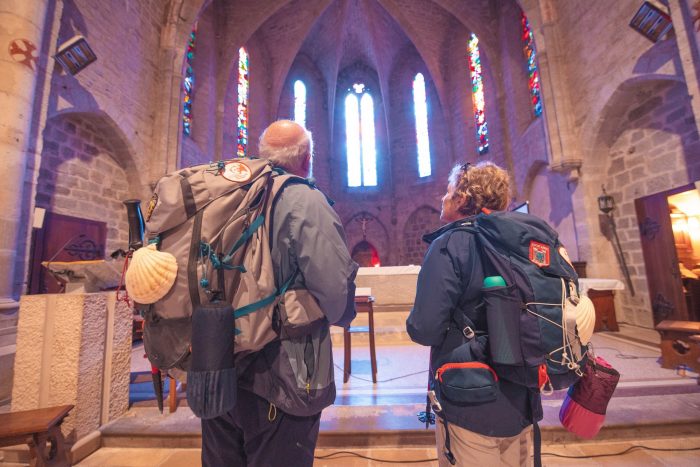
<point>468,332</point>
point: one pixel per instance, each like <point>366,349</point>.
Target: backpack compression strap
<point>251,307</point>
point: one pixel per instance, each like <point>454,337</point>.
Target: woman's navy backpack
<point>531,319</point>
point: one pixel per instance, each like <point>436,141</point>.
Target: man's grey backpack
<point>208,265</point>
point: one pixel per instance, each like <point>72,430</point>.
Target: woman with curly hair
<point>498,430</point>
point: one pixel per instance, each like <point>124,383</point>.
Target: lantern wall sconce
<point>606,204</point>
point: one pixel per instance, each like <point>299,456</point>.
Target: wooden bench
<point>680,344</point>
<point>41,430</point>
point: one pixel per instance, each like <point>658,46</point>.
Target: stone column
<point>21,30</point>
<point>687,41</point>
<point>564,152</point>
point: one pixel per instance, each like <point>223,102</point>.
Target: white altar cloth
<point>599,284</point>
<point>394,287</point>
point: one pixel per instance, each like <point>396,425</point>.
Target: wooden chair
<point>363,303</point>
<point>41,430</point>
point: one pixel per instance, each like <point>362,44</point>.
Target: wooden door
<point>63,238</point>
<point>660,257</point>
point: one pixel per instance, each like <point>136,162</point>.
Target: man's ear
<point>306,164</point>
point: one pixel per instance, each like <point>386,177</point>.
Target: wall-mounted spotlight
<point>75,54</point>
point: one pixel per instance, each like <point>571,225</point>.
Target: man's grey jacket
<point>296,374</point>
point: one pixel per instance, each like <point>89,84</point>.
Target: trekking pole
<point>136,229</point>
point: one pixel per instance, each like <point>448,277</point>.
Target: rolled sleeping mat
<point>211,379</point>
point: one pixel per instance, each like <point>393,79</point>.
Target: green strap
<point>247,233</point>
<point>248,309</point>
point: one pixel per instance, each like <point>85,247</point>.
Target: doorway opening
<point>669,225</point>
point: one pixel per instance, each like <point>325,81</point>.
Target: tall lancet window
<point>482,134</point>
<point>420,109</point>
<point>243,92</point>
<point>533,73</point>
<point>188,84</point>
<point>300,110</point>
<point>300,103</point>
<point>359,130</point>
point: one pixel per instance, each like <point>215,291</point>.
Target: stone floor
<point>654,418</point>
<point>370,423</point>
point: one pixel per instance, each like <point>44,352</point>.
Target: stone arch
<point>317,113</point>
<point>421,221</point>
<point>87,169</point>
<point>360,72</point>
<point>374,233</point>
<point>645,141</point>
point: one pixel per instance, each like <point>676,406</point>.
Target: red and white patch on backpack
<point>539,253</point>
<point>236,171</point>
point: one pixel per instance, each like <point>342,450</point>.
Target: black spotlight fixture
<point>75,54</point>
<point>651,21</point>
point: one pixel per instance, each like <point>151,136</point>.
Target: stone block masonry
<point>74,349</point>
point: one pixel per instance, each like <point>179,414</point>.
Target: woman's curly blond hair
<point>484,185</point>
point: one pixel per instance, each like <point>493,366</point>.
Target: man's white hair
<point>290,157</point>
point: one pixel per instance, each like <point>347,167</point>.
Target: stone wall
<point>655,149</point>
<point>81,176</point>
<point>423,220</point>
<point>74,349</point>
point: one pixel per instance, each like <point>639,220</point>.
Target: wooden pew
<point>680,344</point>
<point>41,430</point>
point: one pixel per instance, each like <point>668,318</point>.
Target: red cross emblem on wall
<point>24,52</point>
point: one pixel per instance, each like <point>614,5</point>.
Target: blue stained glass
<point>352,134</point>
<point>300,103</point>
<point>369,148</point>
<point>420,109</point>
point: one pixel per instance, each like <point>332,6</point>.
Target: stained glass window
<point>482,134</point>
<point>361,144</point>
<point>533,73</point>
<point>188,84</point>
<point>243,92</point>
<point>300,103</point>
<point>420,109</point>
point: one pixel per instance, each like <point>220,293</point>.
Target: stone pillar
<point>563,148</point>
<point>74,349</point>
<point>687,41</point>
<point>21,30</point>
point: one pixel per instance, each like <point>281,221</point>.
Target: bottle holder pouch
<point>167,341</point>
<point>504,314</point>
<point>211,380</point>
<point>468,382</point>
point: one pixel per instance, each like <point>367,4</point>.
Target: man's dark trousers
<point>256,434</point>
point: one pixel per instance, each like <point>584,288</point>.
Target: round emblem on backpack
<point>237,172</point>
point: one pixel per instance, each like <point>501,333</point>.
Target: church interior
<point>592,106</point>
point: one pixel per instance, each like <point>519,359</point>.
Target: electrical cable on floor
<point>625,356</point>
<point>344,454</point>
<point>381,380</point>
<point>335,455</point>
<point>621,453</point>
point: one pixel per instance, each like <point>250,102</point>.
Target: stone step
<point>365,426</point>
<point>8,336</point>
